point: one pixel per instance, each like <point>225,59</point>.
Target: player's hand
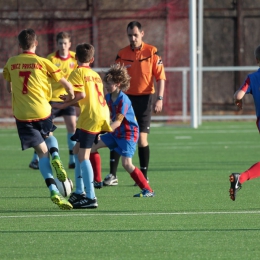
<point>158,106</point>
<point>65,97</point>
<point>238,103</point>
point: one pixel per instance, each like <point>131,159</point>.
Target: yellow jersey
<point>94,113</point>
<point>31,90</point>
<point>66,65</point>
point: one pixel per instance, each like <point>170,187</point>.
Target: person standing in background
<point>143,64</point>
<point>65,60</point>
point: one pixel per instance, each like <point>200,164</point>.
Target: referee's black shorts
<point>142,106</point>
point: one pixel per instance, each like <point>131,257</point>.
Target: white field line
<point>135,214</point>
<point>171,132</point>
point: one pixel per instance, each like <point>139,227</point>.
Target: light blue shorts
<point>121,146</point>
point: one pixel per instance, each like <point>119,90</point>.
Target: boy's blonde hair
<point>119,75</point>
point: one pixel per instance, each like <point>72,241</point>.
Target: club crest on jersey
<point>57,64</point>
<point>159,62</point>
<point>72,64</point>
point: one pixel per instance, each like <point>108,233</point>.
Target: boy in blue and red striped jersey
<point>250,86</point>
<point>125,128</point>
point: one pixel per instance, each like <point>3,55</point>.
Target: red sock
<point>96,165</point>
<point>252,173</point>
<point>140,180</point>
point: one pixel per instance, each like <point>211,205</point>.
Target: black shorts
<point>85,139</point>
<point>75,137</point>
<point>32,134</point>
<point>142,106</point>
<point>68,111</point>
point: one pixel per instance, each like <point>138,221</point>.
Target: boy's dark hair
<point>119,75</point>
<point>26,38</point>
<point>257,53</point>
<point>132,24</point>
<point>62,35</point>
<point>85,52</point>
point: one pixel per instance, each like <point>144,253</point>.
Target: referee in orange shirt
<point>143,65</point>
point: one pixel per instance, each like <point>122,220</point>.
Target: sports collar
<point>137,49</point>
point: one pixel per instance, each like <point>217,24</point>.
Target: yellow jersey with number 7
<point>31,89</point>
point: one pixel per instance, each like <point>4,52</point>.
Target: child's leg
<point>78,177</point>
<point>252,173</point>
<point>96,160</point>
<point>71,144</point>
<point>135,173</point>
<point>96,165</point>
<point>53,148</point>
<point>87,174</point>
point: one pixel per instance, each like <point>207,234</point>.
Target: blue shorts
<point>68,111</point>
<point>32,134</point>
<point>121,146</point>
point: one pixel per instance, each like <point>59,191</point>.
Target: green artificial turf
<point>191,216</point>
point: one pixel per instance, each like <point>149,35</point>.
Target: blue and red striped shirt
<point>252,86</point>
<point>129,129</point>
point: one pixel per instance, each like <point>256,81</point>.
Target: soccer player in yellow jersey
<point>65,60</point>
<point>94,118</point>
<point>29,75</point>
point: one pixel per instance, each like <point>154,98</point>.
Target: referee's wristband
<point>160,98</point>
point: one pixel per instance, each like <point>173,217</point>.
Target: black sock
<point>144,156</point>
<point>114,160</point>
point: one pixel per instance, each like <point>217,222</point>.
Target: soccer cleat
<point>110,180</point>
<point>146,179</point>
<point>145,194</point>
<point>34,164</point>
<point>74,197</point>
<point>60,171</point>
<point>71,165</point>
<point>86,203</point>
<point>58,199</point>
<point>98,185</point>
<point>235,185</point>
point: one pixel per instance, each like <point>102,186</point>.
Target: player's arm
<point>68,87</point>
<point>159,74</point>
<point>238,96</point>
<point>115,124</point>
<point>159,101</point>
<point>9,87</point>
<point>67,102</point>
